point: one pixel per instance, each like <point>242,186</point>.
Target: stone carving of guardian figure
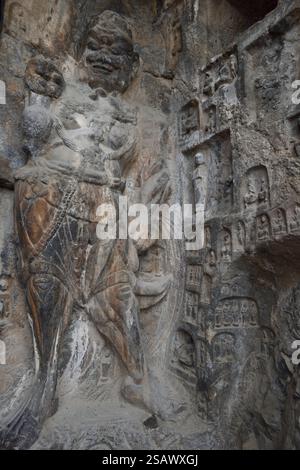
<point>81,140</point>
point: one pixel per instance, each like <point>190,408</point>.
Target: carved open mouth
<point>104,68</point>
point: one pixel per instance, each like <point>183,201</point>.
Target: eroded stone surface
<point>143,344</point>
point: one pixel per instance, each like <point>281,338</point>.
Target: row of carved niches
<point>217,315</point>
<point>264,75</point>
<point>269,63</point>
<point>208,328</point>
<point>256,218</point>
<point>202,355</point>
<point>229,359</point>
<point>234,329</point>
<point>218,92</point>
<point>258,72</point>
<point>226,240</point>
<point>212,110</point>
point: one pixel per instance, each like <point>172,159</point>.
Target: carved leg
<point>114,312</point>
<point>49,303</point>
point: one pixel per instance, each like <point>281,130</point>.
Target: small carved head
<point>263,220</point>
<point>109,58</point>
<point>4,283</point>
<point>199,159</point>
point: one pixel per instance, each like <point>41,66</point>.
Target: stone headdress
<point>112,22</point>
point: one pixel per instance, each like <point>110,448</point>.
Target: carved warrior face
<point>109,57</point>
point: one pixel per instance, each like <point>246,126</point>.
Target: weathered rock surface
<point>138,344</point>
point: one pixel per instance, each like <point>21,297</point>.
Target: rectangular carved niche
<point>219,74</point>
<point>183,357</point>
<point>189,120</point>
<point>264,77</point>
<point>218,88</point>
<point>219,198</point>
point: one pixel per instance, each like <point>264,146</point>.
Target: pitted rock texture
<point>143,344</point>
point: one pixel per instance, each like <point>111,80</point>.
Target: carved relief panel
<point>236,313</point>
<point>169,18</point>
<point>191,307</point>
<point>220,74</point>
<point>223,349</point>
<point>183,360</point>
<point>193,278</point>
<point>218,88</point>
<point>220,176</point>
<point>264,76</point>
<point>256,189</point>
<point>189,119</point>
<point>225,245</point>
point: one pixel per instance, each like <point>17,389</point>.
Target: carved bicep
<point>34,214</point>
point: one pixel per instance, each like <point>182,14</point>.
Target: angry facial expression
<point>109,57</point>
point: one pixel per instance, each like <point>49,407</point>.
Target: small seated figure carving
<point>184,350</point>
<point>209,84</point>
<point>262,195</point>
<point>244,313</point>
<point>236,313</point>
<point>253,314</point>
<point>224,76</point>
<point>228,72</point>
<point>295,219</point>
<point>223,348</point>
<point>279,222</point>
<point>226,249</point>
<point>210,262</point>
<point>212,259</point>
<point>218,317</point>
<point>263,229</point>
<point>227,314</point>
<point>250,197</point>
<point>211,128</point>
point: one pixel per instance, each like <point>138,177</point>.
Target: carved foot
<point>135,394</point>
<point>158,402</point>
<point>23,429</point>
<point>21,432</point>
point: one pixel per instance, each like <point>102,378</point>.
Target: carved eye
<point>92,46</point>
<point>122,47</point>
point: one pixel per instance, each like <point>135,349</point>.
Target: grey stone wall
<point>149,345</point>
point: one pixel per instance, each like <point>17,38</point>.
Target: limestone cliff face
<point>107,344</point>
